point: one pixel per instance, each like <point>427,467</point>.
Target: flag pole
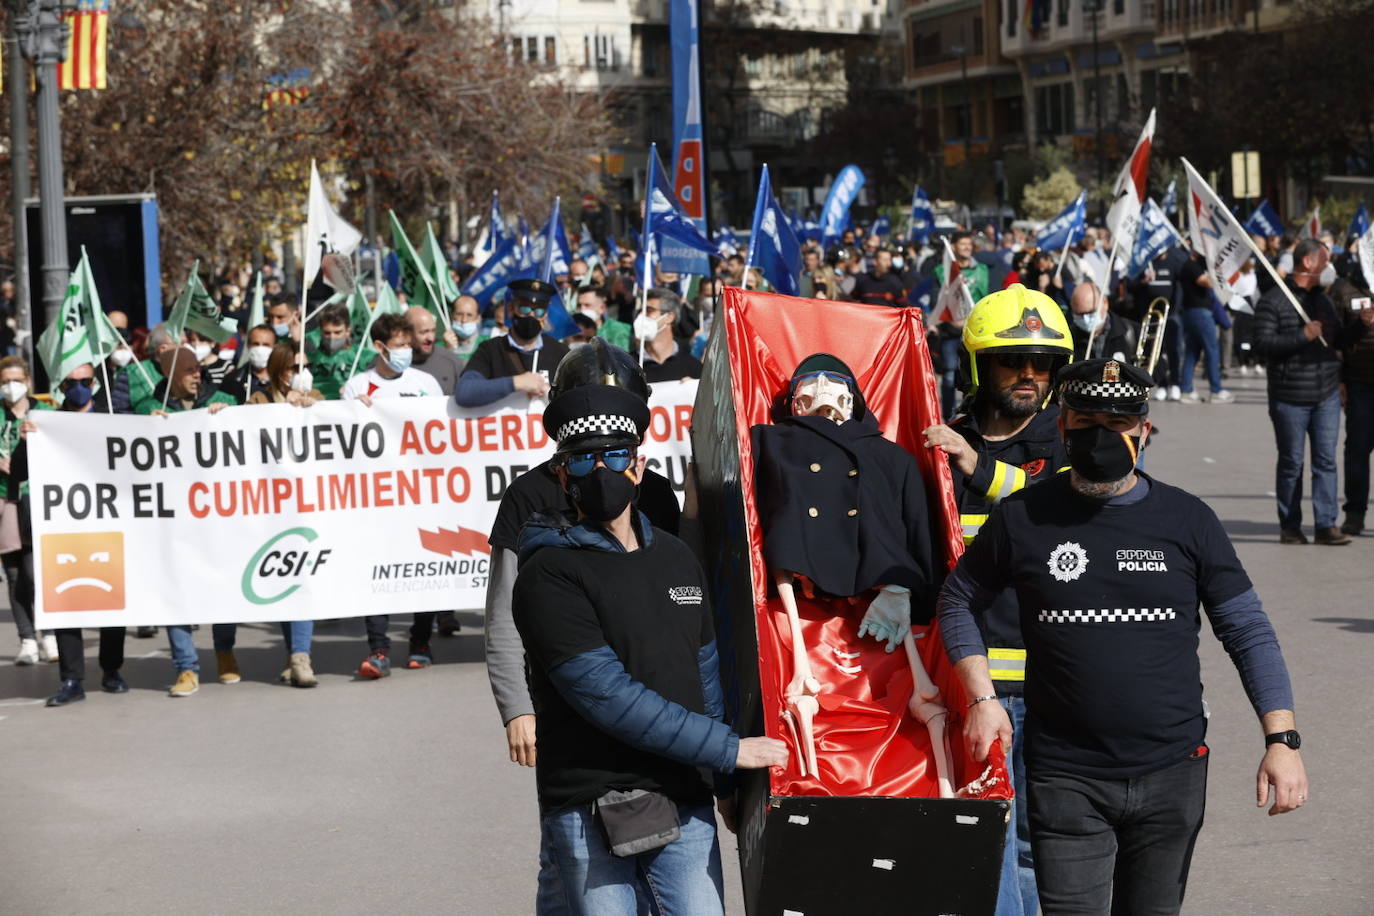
<point>1101,296</point>
<point>646,242</point>
<point>1254,249</point>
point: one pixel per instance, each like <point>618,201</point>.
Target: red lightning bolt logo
<point>464,541</point>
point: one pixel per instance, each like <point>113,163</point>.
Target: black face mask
<point>526,327</point>
<point>602,495</point>
<point>1100,455</point>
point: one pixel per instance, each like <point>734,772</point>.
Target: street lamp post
<point>19,189</point>
<point>43,38</point>
<point>1090,8</point>
<point>962,50</point>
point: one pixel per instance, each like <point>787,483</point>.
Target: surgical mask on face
<point>1328,275</point>
<point>646,328</point>
<point>332,344</point>
<point>202,350</point>
<point>603,494</point>
<point>398,359</point>
<point>527,327</point>
<point>465,329</point>
<point>281,330</point>
<point>122,357</point>
<point>898,263</point>
<point>257,356</point>
<point>1100,455</point>
<point>1089,322</point>
<point>591,314</point>
<point>13,392</point>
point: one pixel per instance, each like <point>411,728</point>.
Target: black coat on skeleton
<point>843,506</point>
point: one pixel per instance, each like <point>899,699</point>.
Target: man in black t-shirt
<point>880,286</point>
<point>1110,570</point>
<point>624,674</point>
<point>523,360</point>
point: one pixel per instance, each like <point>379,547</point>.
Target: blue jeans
<point>184,646</point>
<point>1294,424</point>
<point>682,877</point>
<point>296,633</point>
<point>1016,894</point>
<point>1200,337</point>
<point>1116,845</point>
<point>949,367</point>
<point>1359,442</point>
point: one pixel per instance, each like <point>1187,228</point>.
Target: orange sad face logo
<point>83,572</point>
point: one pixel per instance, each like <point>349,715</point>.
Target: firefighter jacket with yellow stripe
<point>1033,455</point>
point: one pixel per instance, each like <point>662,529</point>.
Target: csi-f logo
<point>83,572</point>
<point>280,566</point>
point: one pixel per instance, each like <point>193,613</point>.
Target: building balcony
<point>1063,23</point>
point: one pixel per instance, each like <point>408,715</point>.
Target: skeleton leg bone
<point>800,692</point>
<point>927,709</point>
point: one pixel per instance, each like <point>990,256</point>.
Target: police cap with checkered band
<point>1104,386</point>
<point>595,417</point>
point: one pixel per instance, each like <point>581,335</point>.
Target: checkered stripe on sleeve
<point>597,424</point>
<point>1109,615</point>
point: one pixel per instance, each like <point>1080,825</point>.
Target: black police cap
<point>596,416</point>
<point>1105,386</point>
<point>537,291</point>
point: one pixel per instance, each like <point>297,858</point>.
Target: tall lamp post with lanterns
<point>42,34</point>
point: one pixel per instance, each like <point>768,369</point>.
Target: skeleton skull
<point>823,395</point>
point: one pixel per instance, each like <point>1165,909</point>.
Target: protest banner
<point>273,512</point>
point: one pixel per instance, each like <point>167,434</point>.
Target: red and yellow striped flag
<point>84,67</point>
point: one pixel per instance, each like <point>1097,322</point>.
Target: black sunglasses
<point>1040,362</point>
<point>525,310</point>
<point>68,384</point>
<point>580,464</point>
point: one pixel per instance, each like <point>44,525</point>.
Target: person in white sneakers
<point>391,376</point>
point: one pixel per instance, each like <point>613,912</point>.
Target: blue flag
<point>1360,224</point>
<point>810,231</point>
<point>612,248</point>
<point>504,265</point>
<point>1170,205</point>
<point>689,161</point>
<point>773,246</point>
<point>1264,221</point>
<point>678,238</point>
<point>727,242</point>
<point>550,250</point>
<point>922,216</point>
<point>1067,227</point>
<point>882,227</point>
<point>843,193</point>
<point>1155,236</point>
<point>586,247</point>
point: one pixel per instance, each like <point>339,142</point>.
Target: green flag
<point>359,314</point>
<point>66,343</point>
<point>437,265</point>
<point>415,276</point>
<point>181,306</point>
<point>203,314</point>
<point>256,316</point>
<point>104,339</point>
<point>387,304</point>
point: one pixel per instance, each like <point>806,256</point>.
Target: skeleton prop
<point>831,394</point>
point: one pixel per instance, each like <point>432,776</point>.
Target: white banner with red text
<point>273,512</point>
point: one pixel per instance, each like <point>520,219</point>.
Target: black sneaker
<point>420,657</point>
<point>113,683</point>
<point>71,692</point>
<point>447,623</point>
<point>1292,536</point>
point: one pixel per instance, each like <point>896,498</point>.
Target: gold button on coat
<point>853,472</point>
<point>815,468</point>
<point>813,512</point>
<point>853,512</point>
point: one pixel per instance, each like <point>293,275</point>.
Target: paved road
<point>356,797</point>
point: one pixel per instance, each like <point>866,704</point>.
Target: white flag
<point>1222,241</point>
<point>955,301</point>
<point>1128,194</point>
<point>325,230</point>
<point>1365,249</point>
<point>1313,227</point>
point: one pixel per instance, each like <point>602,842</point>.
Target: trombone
<point>1151,338</point>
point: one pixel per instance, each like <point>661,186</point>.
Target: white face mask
<point>1328,275</point>
<point>13,391</point>
<point>646,328</point>
<point>823,396</point>
<point>898,263</point>
<point>202,350</point>
<point>257,356</point>
<point>122,357</point>
<point>592,314</point>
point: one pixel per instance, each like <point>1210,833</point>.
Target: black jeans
<point>71,653</point>
<point>378,641</point>
<point>1116,845</point>
<point>18,566</point>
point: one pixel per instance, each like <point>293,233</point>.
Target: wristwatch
<point>1290,738</point>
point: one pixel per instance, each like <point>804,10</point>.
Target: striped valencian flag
<point>84,67</point>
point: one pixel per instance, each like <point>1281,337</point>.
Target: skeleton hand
<point>888,618</point>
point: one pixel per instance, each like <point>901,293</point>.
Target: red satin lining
<point>866,743</point>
